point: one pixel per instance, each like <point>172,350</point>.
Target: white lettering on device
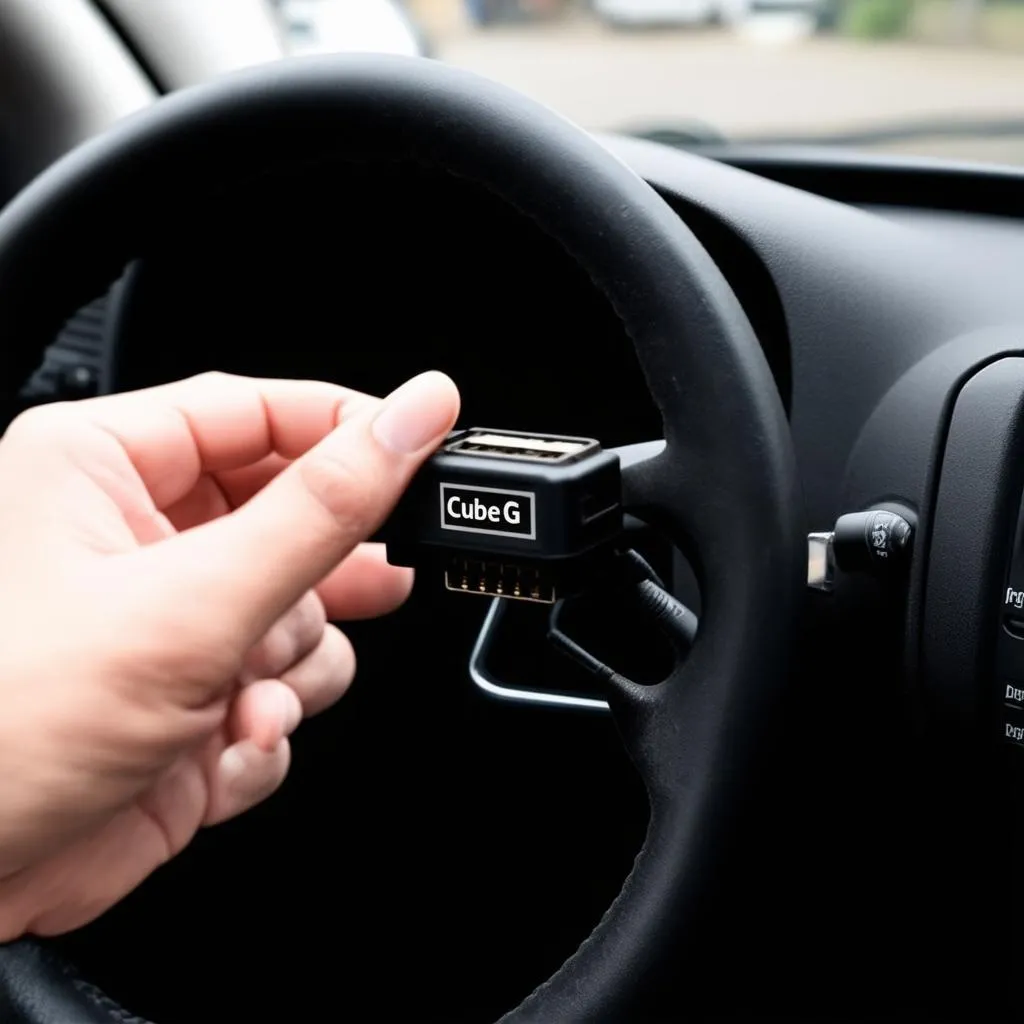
<point>478,511</point>
<point>488,510</point>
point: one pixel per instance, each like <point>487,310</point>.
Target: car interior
<point>813,811</point>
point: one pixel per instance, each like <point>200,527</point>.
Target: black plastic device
<point>532,517</point>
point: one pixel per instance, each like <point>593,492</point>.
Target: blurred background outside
<point>930,77</point>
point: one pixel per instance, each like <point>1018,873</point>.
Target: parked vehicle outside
<point>657,13</point>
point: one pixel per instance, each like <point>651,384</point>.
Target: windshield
<point>928,77</point>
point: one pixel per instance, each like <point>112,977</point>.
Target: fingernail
<point>417,414</point>
<point>233,765</point>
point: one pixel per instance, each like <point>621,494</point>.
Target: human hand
<point>170,559</point>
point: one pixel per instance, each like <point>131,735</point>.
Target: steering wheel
<point>723,488</point>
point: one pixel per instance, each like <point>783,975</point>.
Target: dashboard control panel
<point>1008,698</point>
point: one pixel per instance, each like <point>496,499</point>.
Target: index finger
<point>175,433</point>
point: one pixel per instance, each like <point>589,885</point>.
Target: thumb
<point>242,572</point>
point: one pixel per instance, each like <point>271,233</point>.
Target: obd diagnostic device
<point>531,517</point>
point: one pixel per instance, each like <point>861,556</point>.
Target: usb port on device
<point>529,448</point>
<point>506,514</point>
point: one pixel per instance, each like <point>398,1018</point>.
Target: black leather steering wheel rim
<point>724,488</point>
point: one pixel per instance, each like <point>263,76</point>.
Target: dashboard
<point>865,280</point>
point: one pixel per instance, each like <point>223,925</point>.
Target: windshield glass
<point>930,77</point>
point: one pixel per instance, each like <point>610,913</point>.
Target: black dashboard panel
<point>865,293</point>
<point>862,178</point>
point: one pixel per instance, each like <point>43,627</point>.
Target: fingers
<point>365,586</point>
<point>243,776</point>
<point>239,485</point>
<point>263,716</point>
<point>204,502</point>
<point>176,432</point>
<point>269,710</point>
<point>244,570</point>
<point>288,641</point>
<point>265,713</point>
<point>323,676</point>
<point>216,494</point>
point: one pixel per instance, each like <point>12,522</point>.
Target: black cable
<point>639,567</point>
<point>643,586</point>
